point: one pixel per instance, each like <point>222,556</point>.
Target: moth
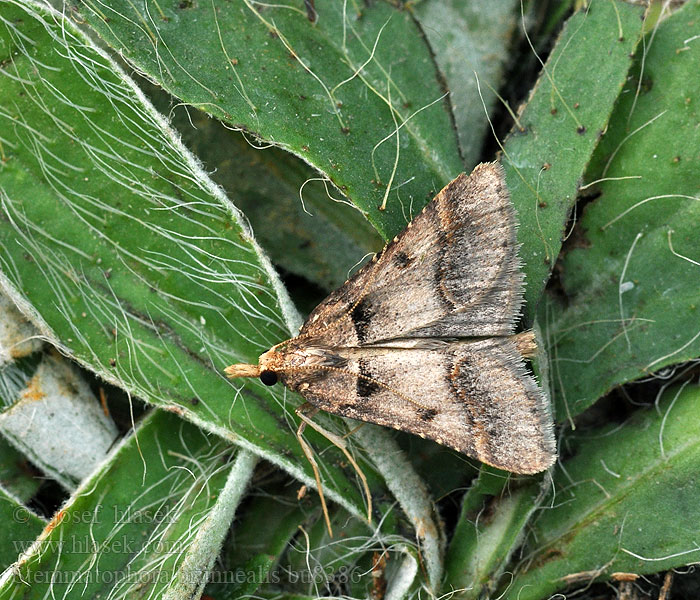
<point>422,338</point>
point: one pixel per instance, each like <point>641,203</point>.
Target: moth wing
<point>453,272</point>
<point>475,397</point>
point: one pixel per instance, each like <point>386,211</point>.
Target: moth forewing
<point>422,339</point>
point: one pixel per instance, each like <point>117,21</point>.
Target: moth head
<point>270,363</point>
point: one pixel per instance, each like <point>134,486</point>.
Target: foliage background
<point>124,253</point>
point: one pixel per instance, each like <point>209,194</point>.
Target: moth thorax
<point>273,360</point>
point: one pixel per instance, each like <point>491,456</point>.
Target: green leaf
<point>130,260</point>
<point>16,474</point>
<point>280,544</point>
<point>413,496</point>
<point>18,525</point>
<point>317,564</point>
<point>334,93</point>
<point>260,537</point>
<point>568,109</point>
<point>471,42</point>
<point>289,208</point>
<point>481,548</point>
<point>124,253</point>
<point>631,275</point>
<point>134,527</point>
<point>494,512</point>
<point>626,501</point>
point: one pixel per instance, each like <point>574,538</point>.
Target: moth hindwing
<point>422,338</point>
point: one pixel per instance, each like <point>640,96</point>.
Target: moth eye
<point>268,377</point>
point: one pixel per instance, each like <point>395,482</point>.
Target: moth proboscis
<point>422,338</point>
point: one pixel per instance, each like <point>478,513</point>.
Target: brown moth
<point>422,339</point>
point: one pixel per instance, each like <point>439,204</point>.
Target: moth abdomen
<point>328,358</point>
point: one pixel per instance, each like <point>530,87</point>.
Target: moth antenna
<point>242,370</point>
<point>306,449</point>
<point>525,343</point>
<point>280,344</point>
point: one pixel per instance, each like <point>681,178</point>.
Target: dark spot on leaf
<point>311,13</point>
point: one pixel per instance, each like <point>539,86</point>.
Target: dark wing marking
<point>454,272</point>
<point>475,397</point>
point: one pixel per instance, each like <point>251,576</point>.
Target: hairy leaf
<point>125,254</point>
<point>339,93</point>
<point>626,501</point>
<point>494,511</point>
<point>304,224</point>
<point>137,527</point>
<point>19,525</point>
<point>558,129</point>
<point>471,42</point>
<point>631,276</point>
